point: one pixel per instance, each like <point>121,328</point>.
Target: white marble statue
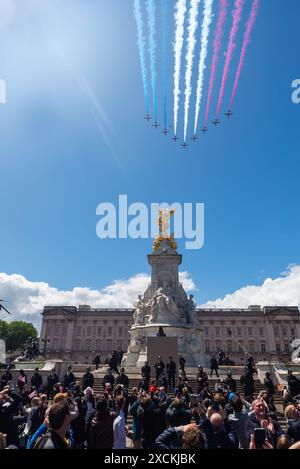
<point>139,315</point>
<point>296,351</point>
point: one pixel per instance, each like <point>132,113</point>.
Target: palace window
<point>57,329</point>
<point>217,331</point>
<point>98,345</point>
<point>284,331</point>
<point>206,330</point>
<point>88,331</point>
<point>251,347</point>
<point>120,331</point>
<point>78,330</point>
<point>276,331</point>
<point>263,347</point>
<point>207,347</point>
<point>293,333</point>
<point>77,345</point>
<point>120,345</point>
<point>109,331</point>
<point>99,330</point>
<point>249,331</point>
<point>261,331</point>
<point>287,348</point>
<point>88,345</point>
<point>109,346</point>
<point>239,331</point>
<point>229,347</point>
<point>278,349</point>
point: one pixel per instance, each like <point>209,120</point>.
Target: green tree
<point>18,334</point>
<point>3,330</point>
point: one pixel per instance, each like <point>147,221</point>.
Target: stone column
<point>70,336</point>
<point>297,330</point>
<point>271,338</point>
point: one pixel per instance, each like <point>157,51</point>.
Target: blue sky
<point>58,163</point>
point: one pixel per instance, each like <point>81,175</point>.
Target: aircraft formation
<point>195,137</point>
<point>178,39</point>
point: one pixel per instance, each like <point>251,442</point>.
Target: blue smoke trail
<point>141,42</point>
<point>151,9</point>
<point>164,55</point>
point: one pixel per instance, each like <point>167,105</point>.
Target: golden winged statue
<point>164,217</point>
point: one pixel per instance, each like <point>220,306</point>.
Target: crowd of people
<point>166,412</point>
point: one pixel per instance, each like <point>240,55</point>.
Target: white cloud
<point>26,299</point>
<point>281,291</point>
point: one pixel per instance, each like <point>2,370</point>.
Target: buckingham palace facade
<point>79,333</point>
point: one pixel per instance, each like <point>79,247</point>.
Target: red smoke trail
<point>216,52</point>
<point>237,15</point>
<point>246,42</point>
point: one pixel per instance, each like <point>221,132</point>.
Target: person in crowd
<point>69,378</point>
<point>77,425</point>
<point>269,385</point>
<point>146,374</point>
<point>36,380</point>
<point>97,361</point>
<point>286,397</point>
<point>123,379</point>
<point>171,372</point>
<point>239,418</point>
<point>10,402</point>
<point>260,419</point>
<point>88,379</point>
<point>52,380</point>
<point>113,363</point>
<point>178,413</point>
<point>214,366</point>
<point>89,404</point>
<point>284,442</point>
<point>292,415</point>
<point>184,437</point>
<point>36,415</point>
<point>250,365</point>
<point>147,414</point>
<point>119,426</point>
<point>6,379</point>
<point>217,430</point>
<point>59,420</point>
<point>102,431</point>
<point>159,367</point>
<point>136,424</point>
<point>181,361</point>
<point>220,357</point>
<point>163,382</point>
<point>229,381</point>
<point>161,332</point>
<point>108,378</point>
<point>201,378</point>
<point>247,383</point>
<point>22,380</point>
<point>293,384</point>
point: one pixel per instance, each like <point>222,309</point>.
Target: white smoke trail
<point>151,9</point>
<point>207,19</point>
<point>180,11</point>
<point>191,43</point>
<point>141,42</point>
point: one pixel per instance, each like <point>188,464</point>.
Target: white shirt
<point>119,431</point>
